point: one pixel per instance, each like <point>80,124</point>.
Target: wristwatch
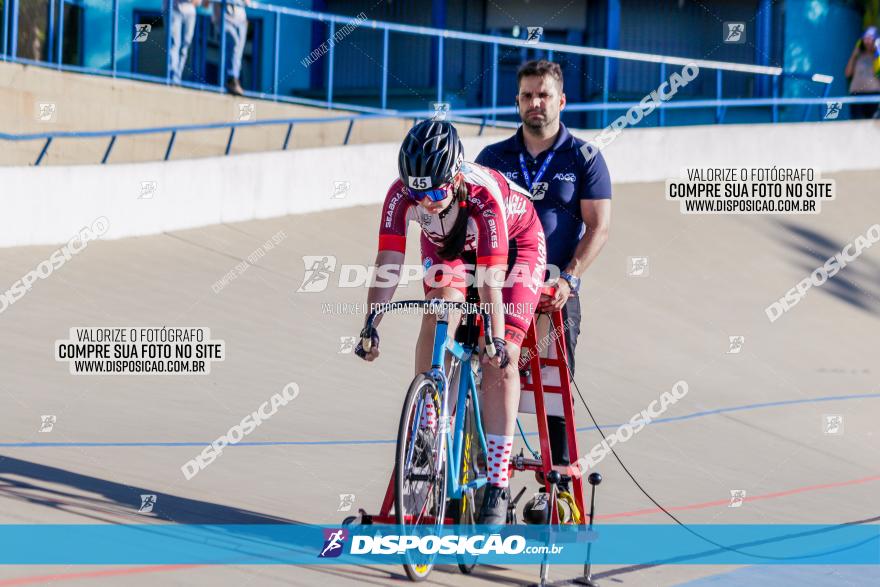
<point>573,282</point>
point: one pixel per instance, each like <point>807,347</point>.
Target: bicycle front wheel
<point>420,474</point>
<point>466,508</point>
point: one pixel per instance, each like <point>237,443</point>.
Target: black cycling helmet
<point>430,156</point>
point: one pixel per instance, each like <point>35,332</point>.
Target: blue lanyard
<point>525,170</point>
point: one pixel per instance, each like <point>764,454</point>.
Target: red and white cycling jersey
<point>500,211</point>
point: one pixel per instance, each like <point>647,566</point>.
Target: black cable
<point>663,509</point>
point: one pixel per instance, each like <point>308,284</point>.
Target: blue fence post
<point>330,66</point>
<point>494,79</point>
<point>440,69</point>
<point>287,136</point>
<point>50,34</point>
<point>167,20</point>
<point>718,109</point>
<point>114,35</point>
<point>59,48</point>
<point>109,148</point>
<point>43,151</point>
<point>662,79</point>
<point>385,69</point>
<point>809,107</point>
<point>229,142</point>
<point>221,72</point>
<point>277,54</point>
<point>775,97</point>
<point>605,74</point>
<point>825,95</point>
<point>170,145</point>
<point>5,28</point>
<point>13,49</point>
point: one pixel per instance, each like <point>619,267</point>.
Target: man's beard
<point>538,124</point>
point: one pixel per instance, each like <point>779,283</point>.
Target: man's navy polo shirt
<point>569,177</point>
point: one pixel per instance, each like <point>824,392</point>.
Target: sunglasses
<point>436,195</point>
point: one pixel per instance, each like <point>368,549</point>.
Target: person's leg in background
<point>571,314</point>
<point>862,111</point>
<point>188,23</point>
<point>174,62</point>
<point>236,31</point>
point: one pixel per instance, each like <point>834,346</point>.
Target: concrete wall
<point>49,205</point>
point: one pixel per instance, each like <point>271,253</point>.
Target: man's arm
<point>597,217</point>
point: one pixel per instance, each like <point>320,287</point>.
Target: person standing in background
<point>861,70</point>
<point>571,193</point>
<point>236,25</point>
<point>183,25</point>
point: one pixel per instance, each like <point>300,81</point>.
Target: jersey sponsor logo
<point>389,214</point>
<point>569,177</point>
<point>516,205</point>
<point>514,335</point>
<point>511,174</point>
<point>493,233</point>
<point>476,202</point>
<point>489,214</point>
<point>424,219</point>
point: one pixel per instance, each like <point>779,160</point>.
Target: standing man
<point>236,26</point>
<point>183,25</point>
<point>572,195</point>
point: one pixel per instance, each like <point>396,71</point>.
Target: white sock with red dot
<point>500,449</point>
<point>429,416</point>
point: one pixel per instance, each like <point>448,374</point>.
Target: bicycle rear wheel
<point>420,474</point>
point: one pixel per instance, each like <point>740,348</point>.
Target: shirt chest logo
<point>569,177</point>
<point>516,206</point>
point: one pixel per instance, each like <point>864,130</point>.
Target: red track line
<point>90,574</point>
<point>708,504</point>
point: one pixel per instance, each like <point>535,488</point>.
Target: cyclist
<point>470,215</point>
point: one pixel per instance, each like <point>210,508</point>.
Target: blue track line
<point>700,414</point>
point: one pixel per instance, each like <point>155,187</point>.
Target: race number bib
<point>420,183</point>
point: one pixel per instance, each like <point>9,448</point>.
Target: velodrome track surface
<point>751,420</point>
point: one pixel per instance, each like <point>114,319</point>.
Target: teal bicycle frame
<point>466,354</point>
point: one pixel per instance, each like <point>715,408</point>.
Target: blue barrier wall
<point>820,36</point>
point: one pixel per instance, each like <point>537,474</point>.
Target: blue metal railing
<point>483,116</point>
<point>10,28</point>
<point>477,116</point>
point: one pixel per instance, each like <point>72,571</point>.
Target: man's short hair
<point>539,68</point>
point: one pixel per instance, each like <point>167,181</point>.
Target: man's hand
<point>557,301</point>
